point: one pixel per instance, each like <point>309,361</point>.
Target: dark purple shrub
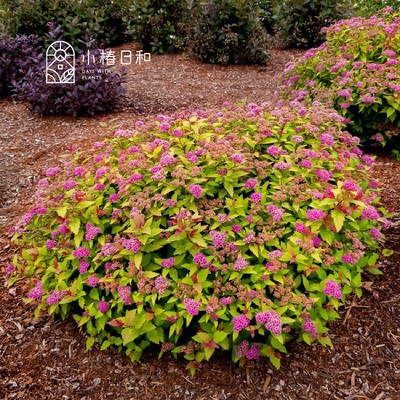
<point>16,56</point>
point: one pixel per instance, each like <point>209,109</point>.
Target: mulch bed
<point>46,358</point>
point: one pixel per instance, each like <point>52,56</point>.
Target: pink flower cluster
<point>133,245</point>
<point>271,320</point>
<point>309,326</point>
<point>195,190</point>
<point>244,351</point>
<point>200,259</point>
<point>36,291</point>
<point>83,266</point>
<point>240,264</point>
<point>91,231</point>
<point>192,306</point>
<point>168,263</point>
<point>333,288</point>
<point>256,197</point>
<point>55,296</point>
<point>251,183</point>
<point>315,215</point>
<point>81,252</point>
<point>237,157</point>
<point>240,322</point>
<point>161,284</point>
<point>370,213</point>
<point>124,293</point>
<point>103,306</point>
<point>218,238</point>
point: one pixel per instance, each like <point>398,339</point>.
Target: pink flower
<point>237,157</point>
<point>236,228</point>
<point>164,126</point>
<point>192,306</point>
<point>253,353</point>
<point>168,263</point>
<point>376,234</point>
<point>93,281</point>
<point>218,238</point>
<point>91,231</point>
<point>68,185</point>
<point>370,213</point>
<point>81,252</point>
<point>133,245</point>
<point>134,178</point>
<point>315,215</point>
<point>332,288</point>
<point>55,296</point>
<point>52,171</point>
<point>240,322</point>
<point>240,264</point>
<point>124,293</point>
<point>309,326</point>
<point>195,190</point>
<point>299,227</point>
<point>50,244</point>
<point>103,306</point>
<point>83,266</point>
<point>200,259</point>
<point>113,197</point>
<point>161,284</point>
<point>273,150</point>
<point>348,259</point>
<point>251,183</point>
<point>275,254</point>
<point>36,291</point>
<point>255,197</point>
<point>225,301</point>
<point>282,165</point>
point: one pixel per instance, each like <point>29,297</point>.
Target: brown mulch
<point>46,358</point>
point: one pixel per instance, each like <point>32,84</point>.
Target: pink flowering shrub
<point>357,72</point>
<point>167,239</point>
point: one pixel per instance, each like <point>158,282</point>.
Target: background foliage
<point>300,21</point>
<point>226,31</point>
<point>158,25</point>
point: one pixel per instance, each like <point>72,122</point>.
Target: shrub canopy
<point>236,230</point>
<point>356,71</point>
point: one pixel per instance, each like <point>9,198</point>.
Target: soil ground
<point>46,358</point>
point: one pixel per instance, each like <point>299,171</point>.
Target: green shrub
<point>357,72</point>
<point>78,18</point>
<point>266,14</point>
<point>237,231</point>
<point>158,25</point>
<point>300,22</point>
<point>226,31</point>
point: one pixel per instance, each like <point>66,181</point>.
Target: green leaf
<point>229,188</point>
<point>338,219</point>
<point>220,336</point>
<point>89,342</point>
<point>202,275</point>
<point>276,362</point>
<point>129,335</point>
<point>105,345</point>
<point>74,225</point>
<point>62,211</point>
<point>209,351</point>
